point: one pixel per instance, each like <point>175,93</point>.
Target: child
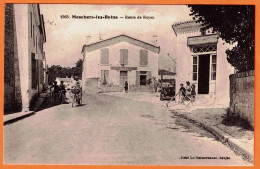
<point>188,89</point>
<point>193,92</point>
<point>55,87</point>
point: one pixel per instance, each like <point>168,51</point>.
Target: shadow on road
<point>46,105</point>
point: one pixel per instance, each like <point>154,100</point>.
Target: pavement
<point>111,130</point>
<point>11,118</point>
<point>208,115</point>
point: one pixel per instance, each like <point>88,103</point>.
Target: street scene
<point>129,85</point>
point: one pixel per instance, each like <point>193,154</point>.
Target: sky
<point>66,36</point>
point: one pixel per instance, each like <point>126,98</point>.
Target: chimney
<point>154,40</point>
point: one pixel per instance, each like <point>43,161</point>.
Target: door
<point>123,77</point>
<point>203,77</point>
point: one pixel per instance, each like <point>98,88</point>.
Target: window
<point>36,44</point>
<point>143,57</point>
<point>143,78</point>
<point>104,56</point>
<point>213,67</point>
<point>34,71</point>
<point>104,76</point>
<point>31,23</point>
<point>33,36</point>
<point>123,57</point>
<point>195,68</point>
<point>205,48</point>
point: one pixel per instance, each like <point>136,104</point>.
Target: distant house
<point>119,59</point>
<point>201,59</point>
<point>25,62</point>
<point>66,80</point>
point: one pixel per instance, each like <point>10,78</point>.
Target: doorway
<point>203,76</point>
<point>123,77</point>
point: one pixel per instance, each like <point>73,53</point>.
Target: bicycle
<point>77,98</point>
<point>56,98</point>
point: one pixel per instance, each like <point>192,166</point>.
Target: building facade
<point>202,60</point>
<point>114,61</point>
<point>25,61</point>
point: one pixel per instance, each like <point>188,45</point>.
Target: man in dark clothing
<point>56,89</point>
<point>126,86</point>
<point>182,92</point>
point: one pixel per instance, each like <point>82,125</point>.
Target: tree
<point>77,71</point>
<point>236,25</point>
<point>58,71</point>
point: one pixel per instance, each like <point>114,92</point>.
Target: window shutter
<point>104,56</point>
<point>106,74</point>
<point>143,57</point>
<point>137,78</point>
<point>126,57</point>
<point>102,75</point>
<point>121,57</point>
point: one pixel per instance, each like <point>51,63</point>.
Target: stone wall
<point>242,96</point>
<point>12,89</point>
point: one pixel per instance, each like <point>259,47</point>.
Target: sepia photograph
<point>117,84</point>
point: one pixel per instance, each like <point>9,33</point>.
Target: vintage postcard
<point>122,84</point>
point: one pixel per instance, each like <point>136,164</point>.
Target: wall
<point>242,96</point>
<point>184,59</point>
<point>12,88</point>
<point>26,16</point>
<point>93,67</point>
<point>224,69</point>
<point>184,68</point>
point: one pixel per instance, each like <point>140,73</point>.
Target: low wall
<point>131,89</point>
<point>141,89</point>
<point>242,96</point>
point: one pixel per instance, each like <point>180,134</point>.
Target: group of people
<point>187,92</point>
<point>76,83</point>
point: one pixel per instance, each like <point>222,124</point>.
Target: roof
<point>118,39</point>
<point>186,27</point>
<point>165,72</point>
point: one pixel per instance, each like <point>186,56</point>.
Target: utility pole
<point>175,63</point>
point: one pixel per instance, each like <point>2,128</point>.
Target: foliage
<point>236,25</point>
<point>58,71</point>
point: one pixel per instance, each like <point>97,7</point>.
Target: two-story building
<point>25,62</point>
<point>202,60</point>
<point>119,59</point>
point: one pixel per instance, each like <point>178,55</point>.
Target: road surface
<point>110,130</point>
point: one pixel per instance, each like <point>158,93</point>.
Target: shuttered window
<point>104,76</point>
<point>104,53</point>
<point>137,78</point>
<point>143,57</point>
<point>195,68</point>
<point>34,71</point>
<point>123,57</point>
<point>214,67</point>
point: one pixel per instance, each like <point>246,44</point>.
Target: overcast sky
<point>66,37</point>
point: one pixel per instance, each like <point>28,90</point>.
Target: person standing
<point>193,92</point>
<point>126,86</point>
<point>188,89</point>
